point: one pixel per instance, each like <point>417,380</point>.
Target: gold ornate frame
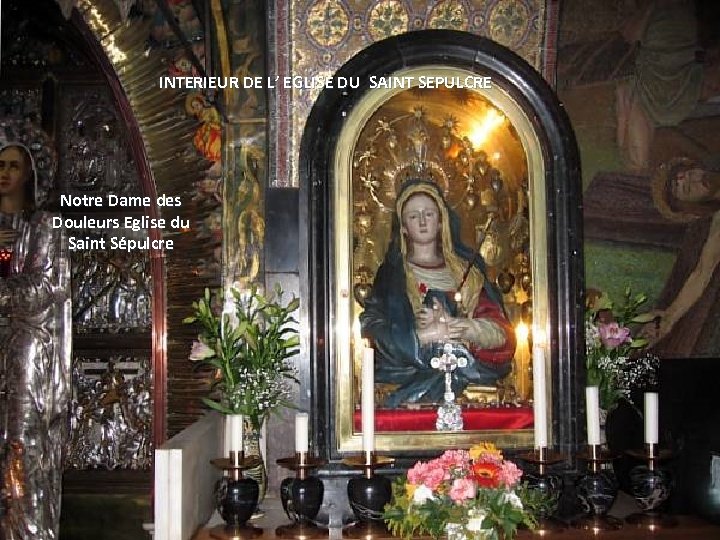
<point>346,340</point>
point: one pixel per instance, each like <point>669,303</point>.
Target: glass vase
<point>252,445</point>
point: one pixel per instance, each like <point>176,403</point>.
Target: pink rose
<point>434,478</point>
<point>462,489</point>
<point>454,459</point>
<point>509,474</point>
<point>613,335</point>
<point>428,474</point>
<point>415,475</point>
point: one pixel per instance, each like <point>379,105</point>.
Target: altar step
<point>105,505</point>
<point>104,517</point>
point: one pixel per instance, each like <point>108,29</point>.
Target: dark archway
<point>157,264</point>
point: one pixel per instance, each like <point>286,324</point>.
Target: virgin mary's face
<point>13,172</point>
<point>421,219</point>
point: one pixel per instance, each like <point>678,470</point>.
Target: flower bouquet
<point>466,494</point>
<point>250,350</point>
<point>615,360</point>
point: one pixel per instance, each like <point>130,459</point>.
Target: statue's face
<point>14,172</point>
<point>421,219</point>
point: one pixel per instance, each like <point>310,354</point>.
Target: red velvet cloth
<point>424,419</point>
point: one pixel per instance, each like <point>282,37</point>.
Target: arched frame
<point>555,216</point>
<point>347,345</point>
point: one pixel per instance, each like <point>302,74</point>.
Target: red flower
<point>487,475</point>
<point>422,288</point>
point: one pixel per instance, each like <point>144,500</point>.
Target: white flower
<point>513,499</point>
<point>200,351</point>
<point>592,336</point>
<point>422,494</point>
<point>475,523</point>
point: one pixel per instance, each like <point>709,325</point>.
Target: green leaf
<point>251,357</point>
<point>217,406</point>
<point>643,318</point>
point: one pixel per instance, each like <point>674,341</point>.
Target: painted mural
<point>641,82</point>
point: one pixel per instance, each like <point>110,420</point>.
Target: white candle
<point>367,399</point>
<point>236,432</point>
<point>539,397</point>
<point>227,443</point>
<point>301,432</point>
<point>651,418</point>
<point>522,360</point>
<point>592,402</point>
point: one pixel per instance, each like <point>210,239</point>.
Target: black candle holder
<point>239,500</point>
<point>597,490</point>
<point>301,498</point>
<point>368,494</point>
<point>548,484</point>
<point>651,487</point>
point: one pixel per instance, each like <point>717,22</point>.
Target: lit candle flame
<point>522,331</point>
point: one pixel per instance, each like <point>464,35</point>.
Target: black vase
<point>550,485</point>
<point>650,487</point>
<point>624,430</point>
<point>596,491</point>
<point>301,498</point>
<point>285,496</point>
<point>239,501</point>
<point>368,497</point>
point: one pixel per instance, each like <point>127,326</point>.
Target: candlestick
<point>236,459</point>
<point>367,405</point>
<point>592,402</point>
<point>368,496</point>
<point>597,488</point>
<point>651,418</point>
<point>301,432</point>
<point>651,486</point>
<point>539,397</point>
<point>301,497</point>
<point>548,484</point>
<point>239,497</point>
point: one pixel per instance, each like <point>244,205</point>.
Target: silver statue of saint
<point>35,355</point>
